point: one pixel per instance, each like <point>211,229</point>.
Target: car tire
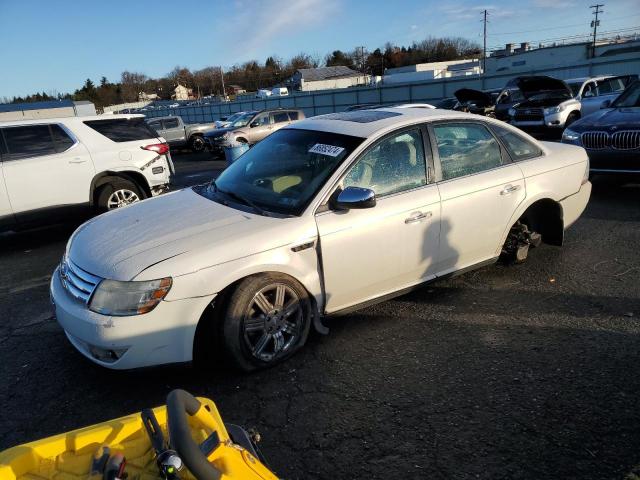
<point>118,193</point>
<point>197,144</point>
<point>267,319</point>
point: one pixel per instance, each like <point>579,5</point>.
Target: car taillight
<point>159,148</point>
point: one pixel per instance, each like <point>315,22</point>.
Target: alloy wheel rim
<point>198,143</point>
<point>122,197</point>
<point>272,323</point>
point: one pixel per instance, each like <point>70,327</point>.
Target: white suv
<point>52,167</point>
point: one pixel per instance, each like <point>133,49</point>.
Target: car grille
<point>595,140</point>
<point>529,115</point>
<point>626,140</point>
<point>78,282</point>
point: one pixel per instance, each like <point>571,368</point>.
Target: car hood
<point>120,244</point>
<point>218,132</point>
<point>620,118</point>
<point>533,85</point>
<point>480,98</point>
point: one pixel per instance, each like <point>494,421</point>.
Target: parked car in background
<point>179,134</point>
<point>447,103</point>
<point>611,136</point>
<point>252,127</point>
<point>322,217</point>
<point>475,101</point>
<point>508,98</point>
<point>279,92</point>
<point>262,93</point>
<point>592,92</point>
<point>55,167</point>
<point>226,121</point>
<point>548,106</point>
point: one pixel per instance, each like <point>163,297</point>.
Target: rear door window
<point>28,141</point>
<point>465,149</point>
<point>280,117</point>
<point>157,125</point>
<point>122,129</point>
<point>518,147</point>
<point>171,123</point>
<point>61,139</point>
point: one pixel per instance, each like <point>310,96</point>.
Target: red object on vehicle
<point>159,148</point>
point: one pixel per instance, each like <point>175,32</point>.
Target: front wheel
<point>267,320</point>
<point>197,144</point>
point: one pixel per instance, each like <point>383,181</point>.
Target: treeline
<point>253,75</point>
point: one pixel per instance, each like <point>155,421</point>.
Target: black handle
<point>180,403</point>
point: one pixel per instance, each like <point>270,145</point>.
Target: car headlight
<point>570,136</point>
<point>552,110</point>
<point>121,299</point>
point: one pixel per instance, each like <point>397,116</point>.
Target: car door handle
<point>509,189</point>
<point>78,160</point>
<point>417,217</point>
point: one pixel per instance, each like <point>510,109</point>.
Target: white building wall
<point>331,83</point>
<point>35,114</point>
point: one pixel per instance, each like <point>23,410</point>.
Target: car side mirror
<point>354,198</point>
<point>254,124</point>
<point>605,104</point>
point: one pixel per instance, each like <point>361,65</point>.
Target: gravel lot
<point>528,371</point>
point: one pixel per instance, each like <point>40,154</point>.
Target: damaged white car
<point>323,216</point>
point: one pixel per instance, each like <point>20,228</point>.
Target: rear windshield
<point>122,129</point>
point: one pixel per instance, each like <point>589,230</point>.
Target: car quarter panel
<point>556,175</point>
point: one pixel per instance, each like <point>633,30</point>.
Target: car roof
<point>365,123</point>
<point>68,120</point>
<point>587,79</point>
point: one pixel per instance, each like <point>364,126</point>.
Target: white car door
<point>479,191</point>
<point>590,101</point>
<point>45,166</point>
<point>371,252</point>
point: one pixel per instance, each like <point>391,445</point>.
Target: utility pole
<point>595,24</point>
<point>224,91</point>
<point>484,48</point>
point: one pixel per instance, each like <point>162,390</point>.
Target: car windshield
<point>234,117</point>
<point>243,120</point>
<point>283,172</point>
<point>629,98</point>
<point>575,88</point>
<point>560,94</point>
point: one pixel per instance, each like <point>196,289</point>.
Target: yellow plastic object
<point>68,456</point>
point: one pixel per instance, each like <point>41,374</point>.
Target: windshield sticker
<point>323,149</point>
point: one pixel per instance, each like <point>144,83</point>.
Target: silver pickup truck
<point>179,134</point>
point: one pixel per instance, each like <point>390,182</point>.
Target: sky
<point>53,46</point>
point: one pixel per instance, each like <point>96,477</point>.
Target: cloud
<point>554,3</point>
<point>463,12</point>
<point>257,24</point>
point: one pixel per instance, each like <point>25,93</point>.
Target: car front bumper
<point>610,160</point>
<point>164,335</point>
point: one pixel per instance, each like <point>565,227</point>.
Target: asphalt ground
<point>526,371</point>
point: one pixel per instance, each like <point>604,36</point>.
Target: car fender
<point>302,265</point>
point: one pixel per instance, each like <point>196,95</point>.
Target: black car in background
<point>475,101</point>
<point>611,136</point>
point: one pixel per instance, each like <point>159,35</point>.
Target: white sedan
<point>324,216</point>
